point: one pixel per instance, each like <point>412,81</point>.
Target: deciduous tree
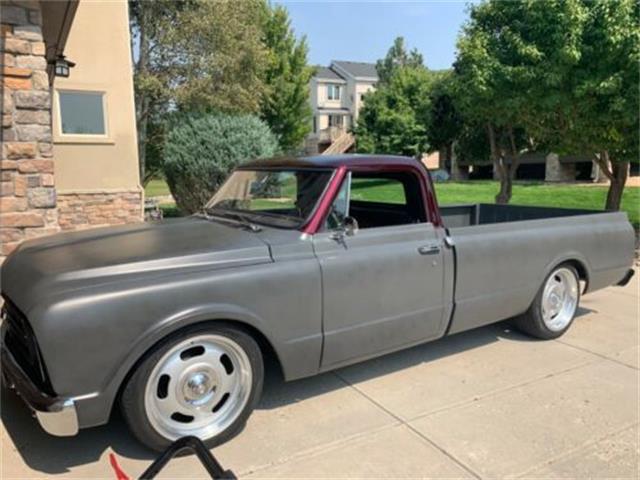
<point>194,55</point>
<point>394,116</point>
<point>502,55</point>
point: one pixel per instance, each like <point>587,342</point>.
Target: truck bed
<point>504,252</point>
<point>485,213</point>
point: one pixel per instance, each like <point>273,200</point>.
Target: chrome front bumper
<point>57,416</point>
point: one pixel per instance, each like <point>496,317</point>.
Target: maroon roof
<point>331,161</point>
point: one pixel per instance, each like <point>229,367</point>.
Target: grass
<point>156,188</point>
<point>568,196</point>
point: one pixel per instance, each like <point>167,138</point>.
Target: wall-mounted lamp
<point>61,66</point>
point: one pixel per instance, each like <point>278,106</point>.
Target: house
<point>336,98</point>
<point>69,142</point>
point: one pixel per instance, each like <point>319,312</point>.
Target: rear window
<point>381,190</point>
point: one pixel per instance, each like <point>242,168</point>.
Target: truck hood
<point>87,258</point>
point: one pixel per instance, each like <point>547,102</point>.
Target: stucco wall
<point>99,44</point>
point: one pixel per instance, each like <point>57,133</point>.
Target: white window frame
<point>61,137</point>
<point>333,92</point>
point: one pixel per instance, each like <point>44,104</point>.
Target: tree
<point>562,73</point>
<point>202,148</point>
<point>397,57</point>
<point>222,57</point>
<point>153,26</point>
<point>285,103</point>
<point>507,52</point>
<point>394,116</point>
<point>444,122</point>
<point>594,109</point>
<point>193,55</point>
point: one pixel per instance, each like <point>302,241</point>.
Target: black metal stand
<point>196,446</point>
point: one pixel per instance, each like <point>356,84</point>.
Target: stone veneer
<point>27,191</point>
<point>30,206</point>
<point>79,210</point>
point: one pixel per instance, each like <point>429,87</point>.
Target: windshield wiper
<point>238,217</point>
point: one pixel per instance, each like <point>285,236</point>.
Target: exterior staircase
<point>341,144</point>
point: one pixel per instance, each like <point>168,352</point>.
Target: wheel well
<point>269,355</point>
<point>582,272</point>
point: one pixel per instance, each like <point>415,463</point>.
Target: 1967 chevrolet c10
<point>298,258</point>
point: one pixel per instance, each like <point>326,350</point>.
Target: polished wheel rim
<point>199,387</point>
<point>559,299</point>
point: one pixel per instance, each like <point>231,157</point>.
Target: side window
<point>379,200</point>
<point>81,113</point>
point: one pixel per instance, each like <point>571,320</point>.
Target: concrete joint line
<point>411,428</point>
<point>571,451</point>
<point>600,355</point>
<point>319,449</point>
<point>493,393</point>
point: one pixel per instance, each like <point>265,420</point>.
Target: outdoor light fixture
<point>62,66</point>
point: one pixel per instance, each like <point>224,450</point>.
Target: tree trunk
<point>142,100</point>
<point>617,173</point>
<point>620,170</point>
<point>506,171</point>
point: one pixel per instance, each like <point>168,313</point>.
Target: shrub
<point>202,149</point>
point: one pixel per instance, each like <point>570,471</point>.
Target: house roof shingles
<point>327,74</point>
<point>358,69</point>
<point>355,69</point>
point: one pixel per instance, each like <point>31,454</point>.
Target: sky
<point>363,31</point>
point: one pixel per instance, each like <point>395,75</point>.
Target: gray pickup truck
<point>319,262</point>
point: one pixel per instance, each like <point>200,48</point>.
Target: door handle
<point>429,250</point>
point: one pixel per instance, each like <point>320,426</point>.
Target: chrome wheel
<point>199,387</point>
<point>560,299</point>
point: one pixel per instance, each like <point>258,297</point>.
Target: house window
<point>82,113</point>
<point>333,92</point>
<point>336,120</point>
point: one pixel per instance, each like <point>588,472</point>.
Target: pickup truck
<point>317,262</point>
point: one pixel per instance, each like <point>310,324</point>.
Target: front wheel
<point>204,381</point>
<point>555,305</point>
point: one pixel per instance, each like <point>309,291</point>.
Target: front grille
<point>21,342</point>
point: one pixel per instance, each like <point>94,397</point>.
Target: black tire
<point>532,323</point>
<point>132,401</point>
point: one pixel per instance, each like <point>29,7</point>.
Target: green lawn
<point>569,196</point>
<point>156,188</point>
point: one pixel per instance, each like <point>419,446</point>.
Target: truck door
<point>382,284</point>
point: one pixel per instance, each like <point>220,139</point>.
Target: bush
<point>201,150</point>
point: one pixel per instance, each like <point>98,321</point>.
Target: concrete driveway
<point>490,403</point>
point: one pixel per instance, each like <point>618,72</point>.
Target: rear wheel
<point>555,305</point>
<point>205,381</point>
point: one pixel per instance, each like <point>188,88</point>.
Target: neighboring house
<point>69,155</point>
<point>336,99</point>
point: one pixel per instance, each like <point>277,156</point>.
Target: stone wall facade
<point>27,188</point>
<point>30,203</point>
<point>556,171</point>
<point>79,210</point>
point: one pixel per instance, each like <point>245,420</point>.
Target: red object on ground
<point>120,475</point>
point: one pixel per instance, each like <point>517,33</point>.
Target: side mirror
<point>350,226</point>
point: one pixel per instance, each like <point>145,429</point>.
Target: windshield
<point>280,198</point>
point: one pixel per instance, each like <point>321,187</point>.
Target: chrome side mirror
<point>350,226</point>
